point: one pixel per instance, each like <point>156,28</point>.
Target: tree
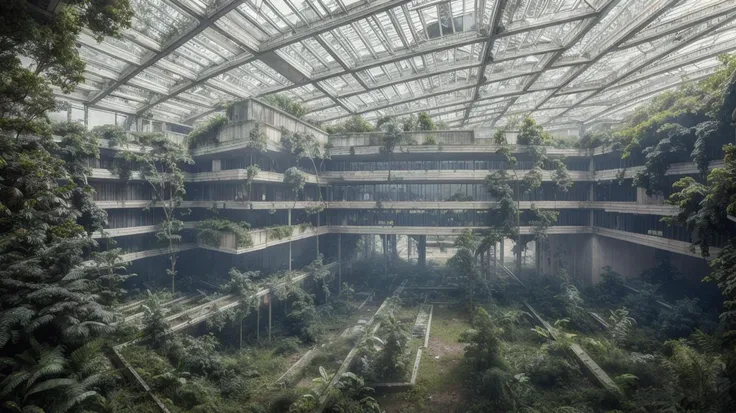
<point>304,145</point>
<point>159,162</point>
<point>425,122</point>
<point>393,135</point>
<point>242,285</point>
<point>463,263</point>
<point>46,208</point>
<point>483,349</point>
<point>294,179</point>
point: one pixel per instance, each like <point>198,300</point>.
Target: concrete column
<point>86,117</point>
<point>385,254</point>
<point>339,263</point>
<point>502,251</point>
<point>69,113</point>
<point>422,251</point>
<point>258,320</point>
<point>518,259</point>
<point>289,255</point>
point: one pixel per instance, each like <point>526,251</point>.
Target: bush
<point>680,321</point>
<point>549,371</point>
<point>303,320</point>
<point>287,345</point>
<point>197,355</point>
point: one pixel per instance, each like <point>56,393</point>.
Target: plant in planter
<point>206,133</point>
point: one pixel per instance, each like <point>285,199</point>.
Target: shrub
<point>548,371</point>
<point>195,354</point>
<point>483,350</point>
<point>287,345</point>
<point>684,317</point>
<point>210,231</point>
<point>206,133</point>
<point>303,320</point>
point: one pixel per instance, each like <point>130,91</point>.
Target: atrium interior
<point>399,206</point>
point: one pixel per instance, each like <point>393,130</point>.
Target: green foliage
<point>532,134</point>
<point>532,180</point>
<point>391,362</point>
<point>698,378</point>
<point>621,325</point>
<point>210,232</point>
<point>47,322</point>
<point>115,135</point>
<point>155,326</point>
<point>303,320</point>
<point>303,145</point>
<point>257,138</point>
<point>682,319</point>
<point>160,163</point>
<point>543,219</point>
<point>250,174</point>
<point>458,197</point>
<point>352,396</point>
<point>286,104</point>
<point>611,289</point>
<point>279,232</point>
<point>195,354</point>
<point>354,124</point>
<point>295,180</point>
<point>561,177</point>
<point>425,122</point>
<point>688,120</point>
<point>206,133</point>
<point>483,351</point>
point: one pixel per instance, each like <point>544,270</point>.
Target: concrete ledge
<point>661,243</point>
<point>133,376</point>
<point>592,369</point>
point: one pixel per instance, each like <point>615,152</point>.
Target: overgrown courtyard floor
<point>439,382</point>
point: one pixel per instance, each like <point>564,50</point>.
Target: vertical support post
<point>518,259</point>
<point>269,317</point>
<point>289,216</point>
<point>86,116</point>
<point>408,249</point>
<point>289,255</point>
<point>495,259</point>
<point>385,254</point>
<point>422,251</point>
<point>69,113</point>
<point>339,263</point>
<point>538,256</point>
<point>258,320</point>
<point>502,248</point>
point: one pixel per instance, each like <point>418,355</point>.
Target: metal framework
<point>470,63</point>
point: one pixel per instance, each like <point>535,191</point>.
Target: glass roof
<point>470,63</point>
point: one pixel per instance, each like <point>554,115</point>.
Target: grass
<point>438,388</point>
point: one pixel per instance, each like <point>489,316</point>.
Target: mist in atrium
<point>377,206</point>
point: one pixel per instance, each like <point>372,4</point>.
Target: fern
<point>621,325</point>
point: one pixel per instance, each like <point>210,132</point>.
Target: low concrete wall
<point>120,362</point>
